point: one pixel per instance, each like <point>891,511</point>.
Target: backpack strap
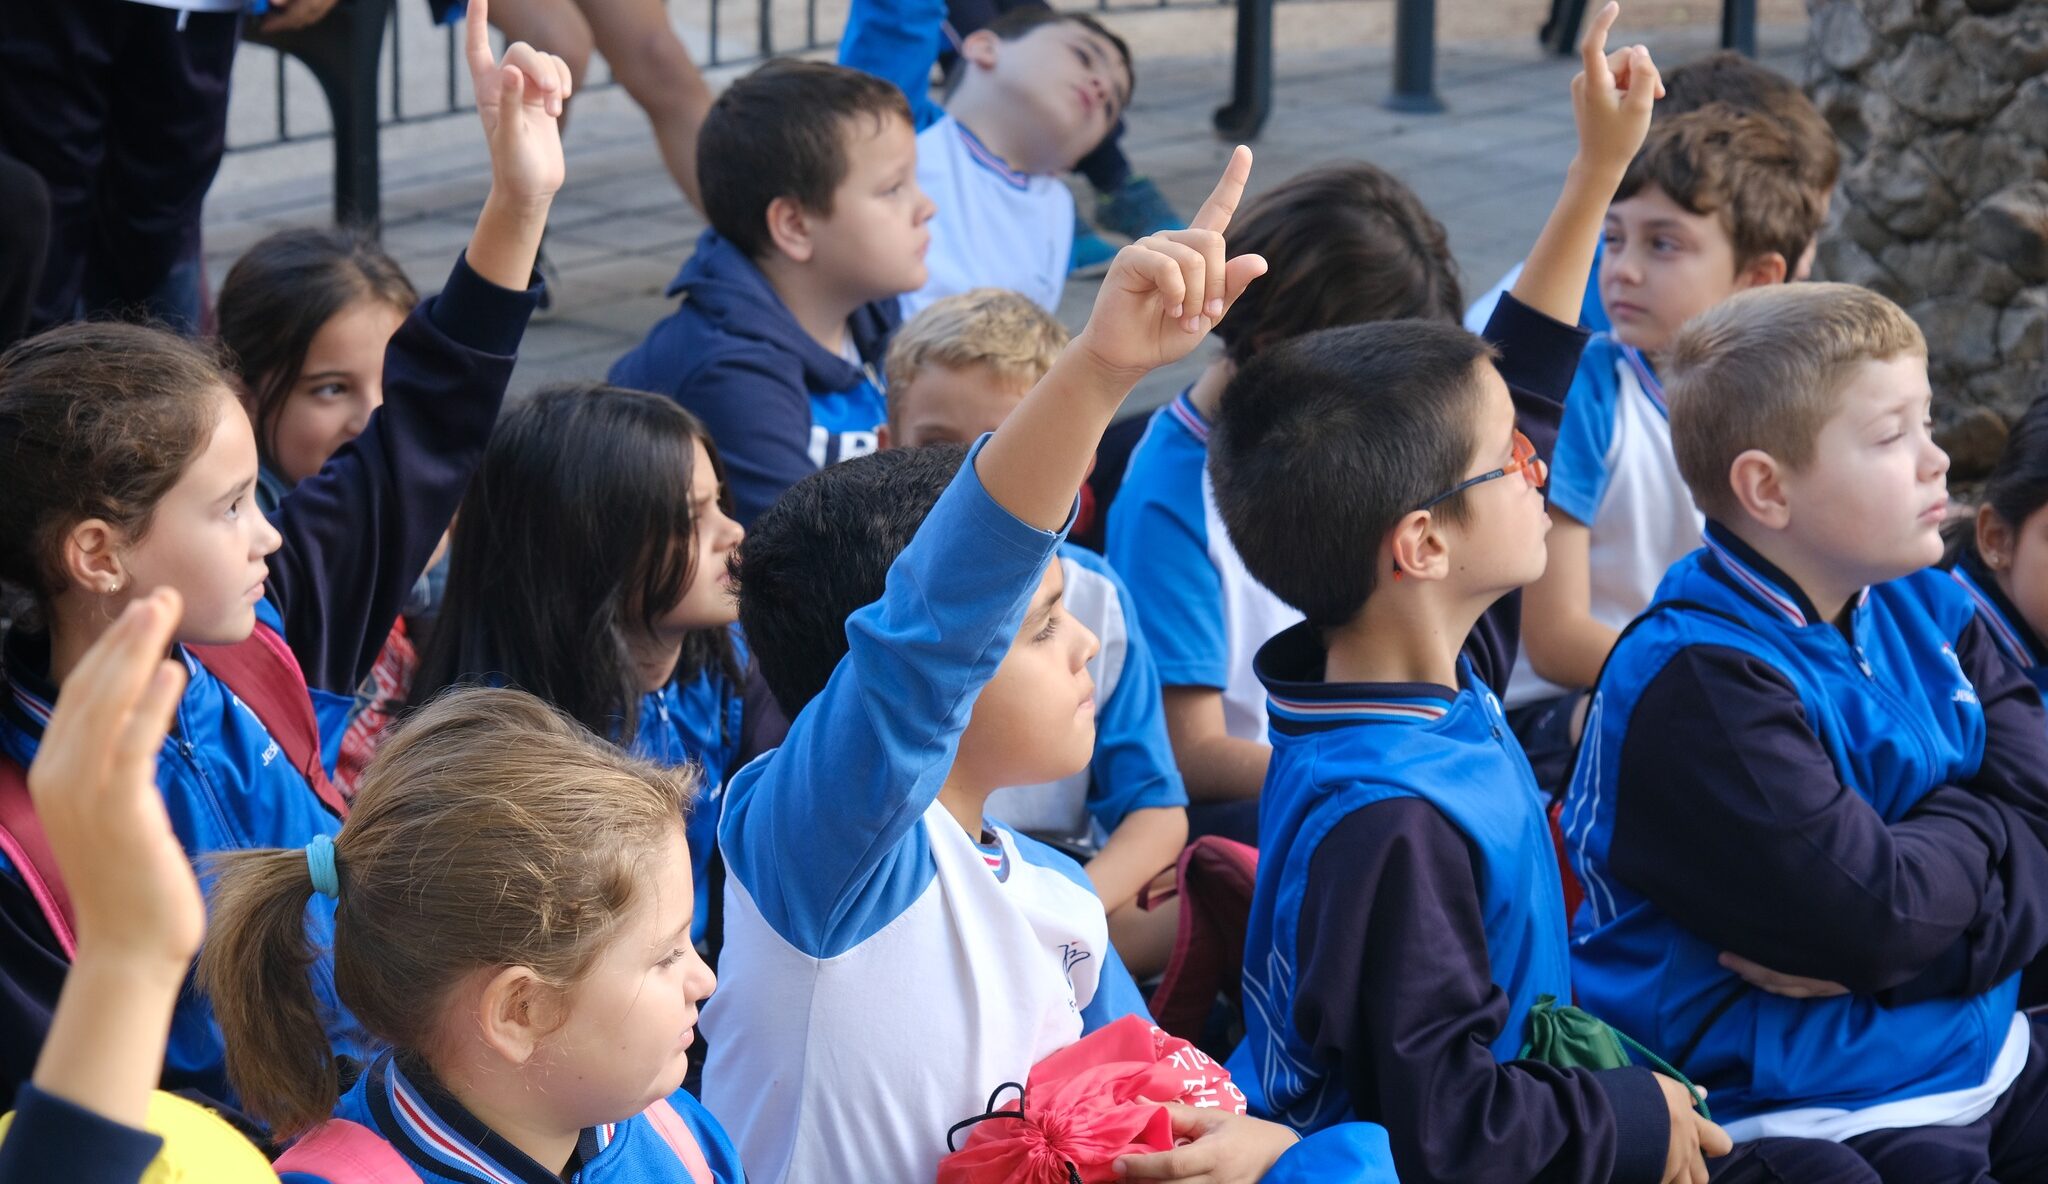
<point>22,839</point>
<point>343,1152</point>
<point>263,673</point>
<point>676,1133</point>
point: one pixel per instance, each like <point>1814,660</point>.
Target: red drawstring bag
<point>1095,1100</point>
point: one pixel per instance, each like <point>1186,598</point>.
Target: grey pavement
<point>1489,168</point>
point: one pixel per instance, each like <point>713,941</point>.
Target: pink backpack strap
<point>263,672</point>
<point>344,1152</point>
<point>21,837</point>
<point>676,1133</point>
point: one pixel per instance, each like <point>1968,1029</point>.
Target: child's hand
<point>93,782</point>
<point>1166,291</point>
<point>1693,1139</point>
<point>520,101</point>
<point>1611,97</point>
<point>1789,985</point>
<point>1226,1148</point>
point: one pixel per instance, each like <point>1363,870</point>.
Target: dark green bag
<point>1570,1038</point>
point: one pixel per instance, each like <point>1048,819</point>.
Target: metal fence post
<point>1738,26</point>
<point>1251,98</point>
<point>342,53</point>
<point>1415,58</point>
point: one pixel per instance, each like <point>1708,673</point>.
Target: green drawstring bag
<point>1571,1038</point>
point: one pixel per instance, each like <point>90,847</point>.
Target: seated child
<point>1034,93</point>
<point>588,567</point>
<point>902,955</point>
<point>1814,757</point>
<point>1348,243</point>
<point>1723,76</point>
<point>2001,558</point>
<point>1711,206</point>
<point>1386,480</point>
<point>305,316</point>
<point>132,465</point>
<point>956,371</point>
<point>513,908</point>
<point>817,225</point>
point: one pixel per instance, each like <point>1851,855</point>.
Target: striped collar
<point>428,1126</point>
<point>1185,413</point>
<point>1651,384</point>
<point>1762,580</point>
<point>1299,701</point>
<point>984,156</point>
<point>2006,624</point>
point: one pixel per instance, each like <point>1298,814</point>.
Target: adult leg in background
<point>649,60</point>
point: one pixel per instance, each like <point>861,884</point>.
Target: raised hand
<point>519,99</point>
<point>1612,96</point>
<point>133,895</point>
<point>1166,291</point>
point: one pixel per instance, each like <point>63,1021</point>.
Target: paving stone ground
<point>1489,168</point>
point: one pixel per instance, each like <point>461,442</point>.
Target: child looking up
<point>956,371</point>
<point>1386,479</point>
<point>809,174</point>
<point>887,930</point>
<point>1713,205</point>
<point>512,923</point>
<point>133,466</point>
<point>306,315</point>
<point>1348,244</point>
<point>1034,93</point>
<point>588,567</point>
<point>1805,698</point>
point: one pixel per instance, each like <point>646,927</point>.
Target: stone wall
<point>1942,110</point>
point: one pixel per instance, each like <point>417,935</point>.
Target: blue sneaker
<point>1091,251</point>
<point>1136,210</point>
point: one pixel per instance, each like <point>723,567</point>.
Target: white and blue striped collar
<point>1763,580</point>
<point>1185,413</point>
<point>2014,637</point>
<point>1646,377</point>
<point>986,157</point>
<point>427,1125</point>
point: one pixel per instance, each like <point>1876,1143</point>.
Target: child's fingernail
<point>1178,312</point>
<point>1215,308</point>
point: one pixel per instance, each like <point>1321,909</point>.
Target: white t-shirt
<point>995,227</point>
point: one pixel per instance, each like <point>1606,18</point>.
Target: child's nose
<point>1090,645</point>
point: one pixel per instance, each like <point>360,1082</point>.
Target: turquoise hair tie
<point>320,862</point>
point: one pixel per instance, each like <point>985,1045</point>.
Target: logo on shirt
<point>1072,954</point>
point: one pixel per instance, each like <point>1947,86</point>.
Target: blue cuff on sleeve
<point>53,1139</point>
<point>1642,1124</point>
<point>479,314</point>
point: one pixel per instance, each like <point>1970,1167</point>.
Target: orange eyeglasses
<point>1525,461</point>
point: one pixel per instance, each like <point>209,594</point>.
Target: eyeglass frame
<point>1525,460</point>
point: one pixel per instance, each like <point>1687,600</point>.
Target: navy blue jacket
<point>48,1133</point>
<point>780,405</point>
<point>356,536</point>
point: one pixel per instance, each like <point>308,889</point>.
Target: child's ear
<point>1763,271</point>
<point>882,441</point>
<point>981,48</point>
<point>1994,538</point>
<point>1759,486</point>
<point>1416,548</point>
<point>515,1011</point>
<point>790,228</point>
<point>92,557</point>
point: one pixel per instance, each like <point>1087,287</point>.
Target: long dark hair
<point>279,294</point>
<point>576,528</point>
<point>2018,484</point>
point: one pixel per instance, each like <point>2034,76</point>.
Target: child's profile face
<point>340,383</point>
<point>1868,506</point>
<point>1500,544</point>
<point>872,245</point>
<point>1035,720</point>
<point>207,539</point>
<point>949,405</point>
<point>623,1041</point>
<point>708,602</point>
<point>2019,561</point>
<point>1067,79</point>
<point>1661,266</point>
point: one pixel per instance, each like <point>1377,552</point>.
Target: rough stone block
<point>1844,38</point>
<point>1933,80</point>
<point>1905,193</point>
<point>2023,330</point>
<point>2012,227</point>
<point>1962,334</point>
<point>1973,439</point>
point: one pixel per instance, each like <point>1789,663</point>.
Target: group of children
<point>490,735</point>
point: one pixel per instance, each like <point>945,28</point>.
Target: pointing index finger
<point>1216,213</point>
<point>1594,47</point>
<point>478,31</point>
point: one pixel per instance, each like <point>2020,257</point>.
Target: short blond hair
<point>991,327</point>
<point>1762,370</point>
